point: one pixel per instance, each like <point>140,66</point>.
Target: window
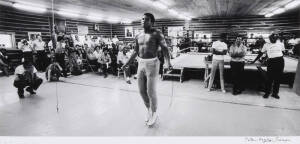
<point>7,40</point>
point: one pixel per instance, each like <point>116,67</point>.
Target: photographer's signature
<point>267,140</point>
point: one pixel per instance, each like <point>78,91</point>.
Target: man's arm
<point>258,56</point>
<point>260,53</point>
<point>218,52</point>
<point>165,50</point>
<point>231,52</point>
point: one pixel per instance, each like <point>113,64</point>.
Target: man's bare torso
<point>148,44</point>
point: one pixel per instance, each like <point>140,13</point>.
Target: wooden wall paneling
<point>104,28</point>
<point>219,25</point>
<point>21,23</point>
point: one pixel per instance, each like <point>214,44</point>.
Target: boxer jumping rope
<point>147,44</point>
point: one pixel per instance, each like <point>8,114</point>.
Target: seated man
<point>104,61</point>
<point>90,55</point>
<point>3,65</point>
<point>123,57</point>
<point>26,77</point>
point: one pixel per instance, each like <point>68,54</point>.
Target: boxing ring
<point>195,60</point>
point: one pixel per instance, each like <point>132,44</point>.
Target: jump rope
<point>171,96</point>
<point>57,98</point>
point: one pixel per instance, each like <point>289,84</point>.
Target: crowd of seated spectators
<point>74,56</point>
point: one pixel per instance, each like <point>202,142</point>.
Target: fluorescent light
<point>269,15</point>
<point>188,18</point>
<point>147,2</point>
<point>126,21</point>
<point>6,3</point>
<point>32,8</point>
<point>68,13</point>
<point>292,4</point>
<point>113,20</point>
<point>94,17</point>
<point>279,10</point>
<point>167,2</point>
<point>159,5</point>
<point>181,16</point>
<point>172,12</point>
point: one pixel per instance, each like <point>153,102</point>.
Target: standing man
<point>60,53</point>
<point>147,44</point>
<point>39,47</point>
<point>237,53</point>
<point>115,39</point>
<point>219,49</point>
<point>275,64</point>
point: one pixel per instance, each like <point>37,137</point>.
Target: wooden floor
<point>89,105</point>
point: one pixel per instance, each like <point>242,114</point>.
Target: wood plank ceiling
<point>133,9</point>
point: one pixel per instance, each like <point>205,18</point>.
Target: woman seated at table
<point>275,64</point>
<point>219,49</point>
<point>237,53</point>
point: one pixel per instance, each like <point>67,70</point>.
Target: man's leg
<point>4,69</point>
<point>34,86</point>
<point>142,84</point>
<point>221,68</point>
<point>152,73</point>
<point>38,60</point>
<point>269,81</point>
<point>42,60</point>
<point>127,74</point>
<point>20,85</point>
<point>212,73</point>
<point>104,70</point>
<point>62,63</point>
<point>278,72</point>
<point>241,76</point>
<point>37,83</point>
<point>233,76</point>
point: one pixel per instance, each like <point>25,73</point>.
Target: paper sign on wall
<point>175,31</point>
<point>82,29</point>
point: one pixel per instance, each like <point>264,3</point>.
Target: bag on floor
<point>53,72</point>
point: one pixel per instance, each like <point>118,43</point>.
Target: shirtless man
<point>147,44</point>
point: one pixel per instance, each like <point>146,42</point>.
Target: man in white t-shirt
<point>275,65</point>
<point>115,39</point>
<point>219,49</point>
<point>26,48</point>
<point>26,77</point>
<point>39,47</point>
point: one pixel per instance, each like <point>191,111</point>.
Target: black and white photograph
<point>129,32</point>
<point>150,71</point>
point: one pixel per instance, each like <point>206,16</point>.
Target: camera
<point>25,42</point>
